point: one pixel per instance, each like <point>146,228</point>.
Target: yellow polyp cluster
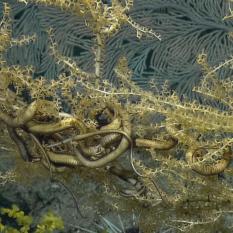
<point>48,224</point>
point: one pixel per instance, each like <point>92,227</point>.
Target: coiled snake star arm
<point>19,143</point>
<point>64,159</point>
<point>115,124</point>
<point>122,147</point>
<point>206,169</point>
<point>54,127</point>
<point>45,158</point>
<point>87,135</point>
<point>99,149</point>
<point>21,119</point>
<point>70,160</point>
<point>156,143</point>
